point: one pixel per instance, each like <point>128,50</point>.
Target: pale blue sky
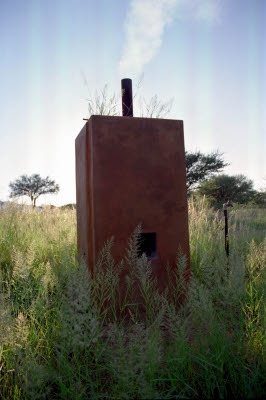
<point>209,55</point>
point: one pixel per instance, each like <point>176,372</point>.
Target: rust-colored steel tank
<point>131,171</point>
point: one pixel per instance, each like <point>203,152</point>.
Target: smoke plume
<point>145,24</point>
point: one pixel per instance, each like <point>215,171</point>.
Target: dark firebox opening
<point>147,244</point>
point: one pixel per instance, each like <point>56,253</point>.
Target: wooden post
<point>226,239</point>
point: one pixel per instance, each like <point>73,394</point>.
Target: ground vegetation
<point>58,341</point>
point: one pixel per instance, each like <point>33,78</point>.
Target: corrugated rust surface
<point>131,171</point>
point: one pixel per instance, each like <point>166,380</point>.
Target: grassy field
<point>58,342</point>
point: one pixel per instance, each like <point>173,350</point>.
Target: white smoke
<point>145,24</point>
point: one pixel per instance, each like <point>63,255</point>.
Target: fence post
<point>226,239</point>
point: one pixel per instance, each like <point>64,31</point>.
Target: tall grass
<point>64,335</point>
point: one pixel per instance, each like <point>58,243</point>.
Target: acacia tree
<point>220,188</point>
<point>200,167</point>
<point>32,186</point>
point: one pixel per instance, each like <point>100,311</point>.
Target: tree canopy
<point>32,186</point>
<point>200,167</point>
<point>220,188</point>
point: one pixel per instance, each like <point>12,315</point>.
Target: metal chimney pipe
<point>127,99</point>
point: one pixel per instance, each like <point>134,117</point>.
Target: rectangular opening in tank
<point>148,245</point>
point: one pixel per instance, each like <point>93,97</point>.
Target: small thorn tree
<point>237,188</point>
<point>32,186</point>
<point>200,167</point>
